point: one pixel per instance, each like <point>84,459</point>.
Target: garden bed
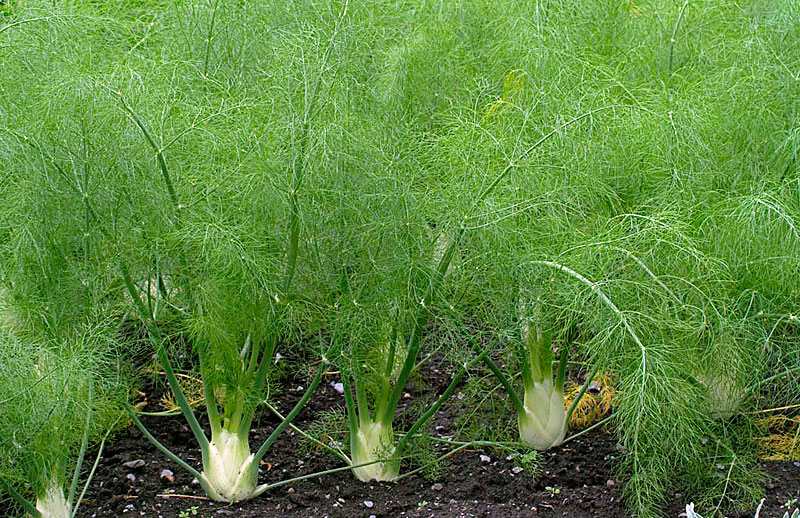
<point>575,480</point>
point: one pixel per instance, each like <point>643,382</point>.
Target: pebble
<point>610,483</point>
<point>338,387</point>
<point>517,470</point>
<point>168,475</point>
<point>133,464</point>
<point>299,388</point>
<point>437,487</point>
<point>369,503</point>
<point>796,464</point>
<point>131,478</point>
<point>486,459</point>
<point>224,511</point>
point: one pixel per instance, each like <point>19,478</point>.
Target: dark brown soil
<point>576,480</point>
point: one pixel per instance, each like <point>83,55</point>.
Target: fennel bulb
<point>725,393</point>
<point>228,469</point>
<point>543,421</point>
<point>542,418</point>
<point>53,503</point>
<point>373,441</point>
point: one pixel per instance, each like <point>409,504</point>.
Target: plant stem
<point>161,351</point>
<point>296,410</point>
<point>361,398</point>
<point>352,417</point>
<point>29,20</point>
<point>162,163</point>
<point>562,368</point>
<point>89,478</point>
<point>84,445</point>
<point>386,382</point>
<point>210,37</point>
<point>672,39</point>
<point>528,151</point>
<point>211,405</point>
<point>440,401</point>
<point>604,298</point>
<point>173,457</point>
<point>29,507</point>
<point>308,436</point>
<point>266,487</point>
<point>580,395</point>
<point>586,430</point>
<point>500,375</point>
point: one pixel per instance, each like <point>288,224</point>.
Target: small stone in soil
<point>168,475</point>
<point>131,478</point>
<point>610,483</point>
<point>486,459</point>
<point>517,470</point>
<point>437,487</point>
<point>369,503</point>
<point>338,387</point>
<point>134,464</point>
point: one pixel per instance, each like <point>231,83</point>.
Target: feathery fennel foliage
<point>664,230</point>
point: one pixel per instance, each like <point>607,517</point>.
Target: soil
<point>576,480</point>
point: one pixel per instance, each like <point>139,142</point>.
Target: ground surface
<point>576,480</point>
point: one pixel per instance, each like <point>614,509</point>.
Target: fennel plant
<point>60,401</point>
<point>227,300</point>
<point>384,332</point>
